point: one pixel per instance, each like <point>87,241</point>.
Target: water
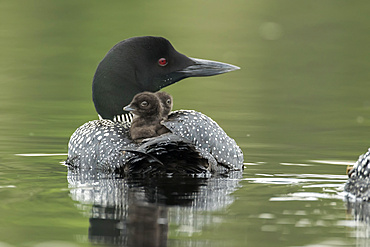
<point>299,108</point>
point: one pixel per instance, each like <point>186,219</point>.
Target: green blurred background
<point>303,84</point>
<point>302,92</point>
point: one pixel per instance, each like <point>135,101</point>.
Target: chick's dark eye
<point>162,61</point>
<point>168,102</point>
<point>144,104</point>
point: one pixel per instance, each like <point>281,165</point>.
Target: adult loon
<point>148,115</point>
<point>358,183</point>
<point>143,64</point>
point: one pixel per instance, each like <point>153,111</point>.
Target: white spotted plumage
<point>215,141</point>
<point>358,183</point>
<point>99,143</point>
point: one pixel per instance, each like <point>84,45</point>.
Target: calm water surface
<point>299,108</point>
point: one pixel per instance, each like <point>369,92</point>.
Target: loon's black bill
<point>202,67</point>
<point>128,108</point>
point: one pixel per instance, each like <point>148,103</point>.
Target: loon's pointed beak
<point>128,108</point>
<point>202,67</point>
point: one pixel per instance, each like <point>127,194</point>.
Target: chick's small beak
<point>128,108</point>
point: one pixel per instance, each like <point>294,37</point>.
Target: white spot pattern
<point>358,183</point>
<point>98,143</point>
<point>209,137</point>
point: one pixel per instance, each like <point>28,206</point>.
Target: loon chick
<point>151,110</point>
<point>133,66</point>
<point>148,114</point>
<point>167,103</point>
<point>358,183</point>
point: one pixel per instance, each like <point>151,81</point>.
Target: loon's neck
<point>114,87</point>
<point>125,118</point>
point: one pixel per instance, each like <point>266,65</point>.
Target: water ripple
<point>306,196</point>
<point>40,155</point>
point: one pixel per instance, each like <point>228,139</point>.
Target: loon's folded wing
<point>168,153</point>
<point>207,136</point>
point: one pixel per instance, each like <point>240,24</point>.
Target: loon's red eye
<point>162,61</point>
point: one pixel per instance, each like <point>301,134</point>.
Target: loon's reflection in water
<point>139,211</point>
<point>359,213</point>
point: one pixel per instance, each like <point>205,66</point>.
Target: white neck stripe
<point>121,118</point>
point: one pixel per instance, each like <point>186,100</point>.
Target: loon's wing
<point>208,138</point>
<point>168,153</point>
<point>97,144</point>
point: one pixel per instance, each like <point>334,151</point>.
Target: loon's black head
<point>166,102</point>
<point>143,64</point>
<point>145,105</point>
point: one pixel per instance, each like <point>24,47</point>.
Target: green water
<point>299,108</point>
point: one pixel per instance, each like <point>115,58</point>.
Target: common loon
<point>143,64</point>
<point>358,183</point>
<point>148,113</point>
